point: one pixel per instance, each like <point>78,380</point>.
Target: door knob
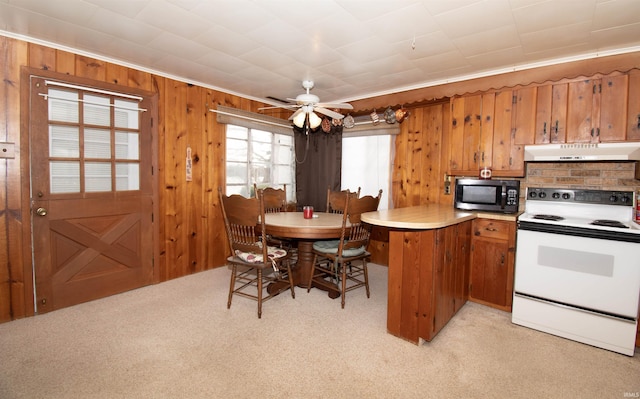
<point>41,211</point>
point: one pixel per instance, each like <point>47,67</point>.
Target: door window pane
<point>97,143</point>
<point>64,176</point>
<point>126,114</point>
<point>97,176</point>
<point>127,176</point>
<point>63,105</point>
<point>97,110</point>
<point>64,141</point>
<point>127,145</point>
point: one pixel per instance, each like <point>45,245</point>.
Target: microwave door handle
<point>503,196</point>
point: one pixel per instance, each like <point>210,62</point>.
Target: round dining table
<point>293,225</point>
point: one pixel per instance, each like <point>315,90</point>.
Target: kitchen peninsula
<point>428,267</point>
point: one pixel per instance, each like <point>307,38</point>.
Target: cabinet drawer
<point>491,228</point>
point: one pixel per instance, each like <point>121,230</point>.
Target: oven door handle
<point>579,231</point>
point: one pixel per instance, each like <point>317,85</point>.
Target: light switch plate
<point>7,150</point>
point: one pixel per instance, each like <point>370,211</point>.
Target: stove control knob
<point>555,195</point>
<point>613,198</point>
<point>533,194</point>
<point>625,199</point>
<point>542,195</point>
<point>566,196</point>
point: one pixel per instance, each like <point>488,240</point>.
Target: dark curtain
<point>318,165</point>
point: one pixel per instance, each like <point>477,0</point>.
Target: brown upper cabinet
<point>490,130</point>
<point>598,109</point>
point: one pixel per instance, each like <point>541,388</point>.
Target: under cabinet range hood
<point>628,151</point>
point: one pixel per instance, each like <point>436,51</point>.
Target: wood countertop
<point>421,217</point>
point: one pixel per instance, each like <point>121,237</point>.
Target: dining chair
<point>337,260</point>
<point>275,199</point>
<point>262,267</point>
<point>336,199</point>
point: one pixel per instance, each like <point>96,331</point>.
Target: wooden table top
<point>422,217</point>
<point>294,225</point>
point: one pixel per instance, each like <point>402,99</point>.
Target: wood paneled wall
<point>190,226</point>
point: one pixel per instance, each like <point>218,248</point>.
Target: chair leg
<point>293,294</point>
<point>344,282</point>
<point>313,270</point>
<point>259,293</point>
<point>234,270</point>
<point>366,276</point>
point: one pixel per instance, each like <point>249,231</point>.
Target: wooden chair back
<point>275,199</point>
<point>336,199</point>
<point>358,233</point>
<point>242,218</point>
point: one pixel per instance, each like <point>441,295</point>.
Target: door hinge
<point>514,99</point>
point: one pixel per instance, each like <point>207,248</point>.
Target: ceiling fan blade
<point>335,105</point>
<point>296,113</point>
<point>328,112</point>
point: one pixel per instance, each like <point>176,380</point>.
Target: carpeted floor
<point>178,340</point>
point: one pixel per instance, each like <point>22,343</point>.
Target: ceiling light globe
<point>314,120</point>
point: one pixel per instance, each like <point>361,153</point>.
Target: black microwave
<point>487,195</point>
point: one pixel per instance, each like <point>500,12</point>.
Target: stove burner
<point>548,217</point>
<point>609,223</point>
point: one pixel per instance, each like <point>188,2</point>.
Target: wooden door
<point>92,193</point>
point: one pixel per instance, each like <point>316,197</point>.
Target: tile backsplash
<point>585,175</point>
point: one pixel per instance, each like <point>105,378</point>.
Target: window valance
<point>252,120</point>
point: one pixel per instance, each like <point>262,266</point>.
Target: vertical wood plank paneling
<point>501,130</point>
<point>394,282</point>
<point>416,157</point>
<point>14,297</point>
<point>194,195</point>
<point>613,107</point>
<point>412,269</point>
<point>91,68</point>
<point>430,178</point>
<point>116,74</point>
<point>65,62</point>
<point>161,265</point>
<point>140,79</point>
<point>398,189</point>
<point>41,57</point>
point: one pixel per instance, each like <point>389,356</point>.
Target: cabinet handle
<point>638,121</point>
<point>502,259</point>
<point>475,157</point>
<point>490,229</point>
<point>556,128</point>
<point>544,127</point>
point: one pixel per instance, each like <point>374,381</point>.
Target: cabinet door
<point>503,111</point>
<point>612,104</point>
<point>580,111</point>
<point>559,99</point>
<point>544,99</point>
<point>465,134</point>
<point>489,271</point>
<point>633,112</point>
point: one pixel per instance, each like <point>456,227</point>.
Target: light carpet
<point>178,340</point>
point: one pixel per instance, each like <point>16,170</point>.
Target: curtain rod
<point>111,93</point>
<point>249,118</point>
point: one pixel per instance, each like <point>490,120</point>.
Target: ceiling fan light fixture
<point>314,120</point>
<point>300,119</point>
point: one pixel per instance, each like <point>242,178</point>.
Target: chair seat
<point>273,253</point>
<point>331,247</point>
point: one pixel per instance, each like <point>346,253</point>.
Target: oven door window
<point>601,275</point>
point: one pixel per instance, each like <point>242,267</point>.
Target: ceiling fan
<point>308,104</point>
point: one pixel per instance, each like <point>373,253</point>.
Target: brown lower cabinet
<point>428,279</point>
<point>492,259</point>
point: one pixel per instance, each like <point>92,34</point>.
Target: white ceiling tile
<point>126,28</point>
<point>171,18</point>
<point>558,37</point>
<point>607,14</point>
<point>628,34</point>
<point>126,8</point>
<point>172,44</point>
<point>488,41</point>
<point>551,14</point>
<point>473,18</point>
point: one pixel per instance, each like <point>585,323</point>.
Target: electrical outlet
<point>7,150</point>
<point>447,184</point>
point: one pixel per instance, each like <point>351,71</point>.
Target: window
<point>368,165</point>
<point>93,142</point>
<point>260,157</point>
